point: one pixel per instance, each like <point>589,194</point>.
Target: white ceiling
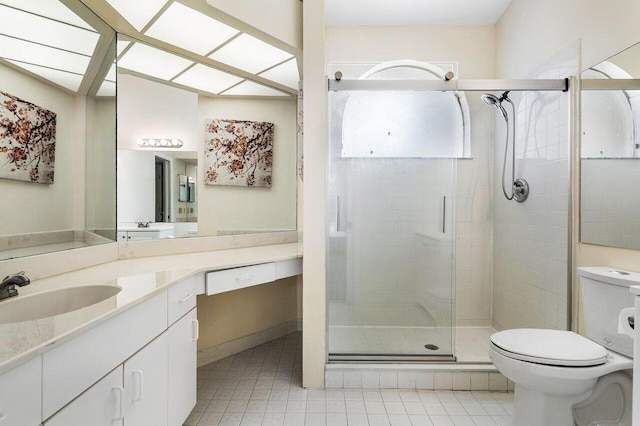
<point>413,12</point>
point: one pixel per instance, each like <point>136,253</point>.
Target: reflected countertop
<point>140,279</point>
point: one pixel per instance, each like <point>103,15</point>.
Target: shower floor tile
<point>471,343</point>
<point>224,398</point>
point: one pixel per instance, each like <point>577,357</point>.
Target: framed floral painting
<point>27,140</point>
<point>238,153</point>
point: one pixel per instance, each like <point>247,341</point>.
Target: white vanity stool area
<point>130,359</point>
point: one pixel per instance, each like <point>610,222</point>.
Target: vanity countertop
<point>140,279</point>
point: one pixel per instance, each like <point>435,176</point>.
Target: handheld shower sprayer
<point>519,187</point>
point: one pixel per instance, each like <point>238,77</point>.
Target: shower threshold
<point>383,359</point>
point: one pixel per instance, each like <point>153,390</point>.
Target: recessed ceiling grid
<point>242,57</point>
<point>47,39</point>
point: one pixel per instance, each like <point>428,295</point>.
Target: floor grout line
<point>263,386</point>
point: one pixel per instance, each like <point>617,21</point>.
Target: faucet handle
<point>19,279</point>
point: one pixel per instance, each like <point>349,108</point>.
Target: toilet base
<point>534,408</point>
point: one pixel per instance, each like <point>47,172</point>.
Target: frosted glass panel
<point>402,124</point>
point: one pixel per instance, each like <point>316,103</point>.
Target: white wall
<point>136,186</point>
<point>251,208</point>
<point>531,32</point>
<point>152,110</point>
<point>101,164</point>
<point>31,207</point>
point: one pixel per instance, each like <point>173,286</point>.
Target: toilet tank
<point>605,292</point>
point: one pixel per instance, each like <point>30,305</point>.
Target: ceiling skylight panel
<point>108,88</point>
<point>111,74</point>
<point>121,45</point>
<point>50,8</point>
<point>24,51</point>
<point>249,88</point>
<point>187,28</point>
<point>137,12</point>
<point>285,74</point>
<point>45,31</point>
<point>250,54</point>
<point>154,62</point>
<point>65,79</point>
<point>207,79</point>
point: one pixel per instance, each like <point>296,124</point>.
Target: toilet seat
<point>549,347</point>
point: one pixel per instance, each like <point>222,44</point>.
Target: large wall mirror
<point>205,142</point>
<point>57,127</point>
<point>180,177</point>
<point>610,154</point>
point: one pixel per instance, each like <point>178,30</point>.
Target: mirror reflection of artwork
<point>238,153</point>
<point>27,140</point>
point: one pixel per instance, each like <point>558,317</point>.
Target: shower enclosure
<point>396,135</point>
<point>391,258</point>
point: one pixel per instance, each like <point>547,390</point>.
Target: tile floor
<point>262,386</point>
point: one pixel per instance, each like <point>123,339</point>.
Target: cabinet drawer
<point>246,276</point>
<point>20,398</point>
<point>182,297</point>
<point>72,367</point>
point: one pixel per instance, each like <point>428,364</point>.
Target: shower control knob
<point>520,190</point>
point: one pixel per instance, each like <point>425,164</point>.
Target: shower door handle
<point>338,214</point>
<point>444,214</point>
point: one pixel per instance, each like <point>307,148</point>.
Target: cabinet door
<point>183,336</point>
<point>100,405</point>
<point>20,395</point>
<point>145,385</point>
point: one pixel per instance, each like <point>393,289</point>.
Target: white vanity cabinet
<point>183,359</point>
<point>151,348</point>
<point>101,405</point>
<point>145,385</point>
<point>20,400</point>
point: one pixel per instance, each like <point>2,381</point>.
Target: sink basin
<point>55,302</point>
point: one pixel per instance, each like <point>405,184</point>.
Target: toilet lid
<point>551,347</point>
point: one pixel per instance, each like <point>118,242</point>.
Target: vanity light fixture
<point>160,143</point>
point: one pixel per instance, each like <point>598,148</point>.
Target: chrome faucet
<point>9,283</point>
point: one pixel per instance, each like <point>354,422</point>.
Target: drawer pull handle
<point>245,278</point>
<point>3,417</point>
<point>184,299</point>
<point>120,403</point>
<point>196,330</point>
<point>138,374</point>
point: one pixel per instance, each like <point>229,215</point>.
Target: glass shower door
<point>390,221</point>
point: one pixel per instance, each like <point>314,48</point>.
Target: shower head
<point>493,100</point>
<point>490,99</point>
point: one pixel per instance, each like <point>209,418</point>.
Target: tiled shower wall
<point>474,220</point>
<point>530,239</point>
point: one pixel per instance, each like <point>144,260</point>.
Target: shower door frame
<point>338,84</point>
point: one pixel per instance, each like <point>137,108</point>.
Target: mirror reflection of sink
<point>55,302</point>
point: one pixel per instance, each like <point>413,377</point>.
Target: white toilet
<point>565,379</point>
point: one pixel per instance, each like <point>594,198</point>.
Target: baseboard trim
<point>233,347</point>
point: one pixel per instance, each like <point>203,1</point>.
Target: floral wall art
<point>238,153</point>
<point>27,140</point>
